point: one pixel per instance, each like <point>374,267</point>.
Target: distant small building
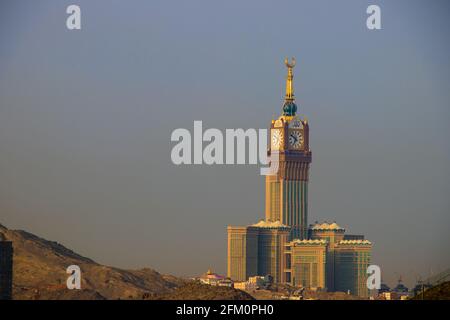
<point>6,268</point>
<point>401,290</point>
<point>389,295</point>
<point>214,279</point>
<point>383,288</point>
<point>261,282</point>
<point>254,283</point>
<point>392,295</point>
<point>245,286</point>
<point>227,282</point>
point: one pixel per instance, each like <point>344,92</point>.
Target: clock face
<point>295,139</point>
<point>277,139</point>
<point>295,123</point>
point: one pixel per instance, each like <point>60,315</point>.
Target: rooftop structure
<point>326,226</point>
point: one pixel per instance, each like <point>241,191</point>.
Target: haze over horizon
<point>86,118</point>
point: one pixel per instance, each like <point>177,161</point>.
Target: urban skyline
<point>283,246</point>
<point>86,118</point>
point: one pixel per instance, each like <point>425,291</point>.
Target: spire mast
<point>289,79</point>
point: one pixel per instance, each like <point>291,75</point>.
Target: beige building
<point>352,257</point>
<point>244,286</point>
<point>242,254</point>
<point>257,250</point>
<point>282,245</point>
<point>332,233</point>
<point>328,260</point>
<point>307,260</point>
<point>253,283</point>
<point>272,238</point>
<point>348,257</point>
<point>287,190</point>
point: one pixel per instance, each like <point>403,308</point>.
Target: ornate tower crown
<point>289,106</point>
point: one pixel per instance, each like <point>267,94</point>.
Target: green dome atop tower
<point>289,108</point>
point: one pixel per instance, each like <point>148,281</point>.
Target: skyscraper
<point>332,233</point>
<point>287,191</point>
<point>321,256</point>
<point>352,257</point>
<point>348,257</point>
<point>242,253</point>
<point>257,250</point>
<point>6,268</point>
<point>272,238</point>
<point>308,261</point>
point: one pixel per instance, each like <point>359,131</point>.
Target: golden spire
<point>290,76</point>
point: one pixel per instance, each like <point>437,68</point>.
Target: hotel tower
<point>287,190</point>
<point>283,246</point>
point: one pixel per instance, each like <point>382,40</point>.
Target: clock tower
<point>287,190</point>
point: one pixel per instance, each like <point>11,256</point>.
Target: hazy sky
<point>86,118</point>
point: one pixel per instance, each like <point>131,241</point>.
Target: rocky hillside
<point>197,291</point>
<point>439,292</point>
<point>40,273</point>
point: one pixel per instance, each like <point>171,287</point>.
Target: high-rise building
<point>6,268</point>
<point>242,253</point>
<point>287,191</point>
<point>282,246</point>
<point>272,237</point>
<point>257,250</point>
<point>352,257</point>
<point>332,233</point>
<point>307,263</point>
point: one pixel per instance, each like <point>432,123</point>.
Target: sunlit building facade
<point>287,189</point>
<point>306,261</point>
<point>242,253</point>
<point>272,238</point>
<point>320,256</point>
<point>257,250</point>
<point>352,257</point>
<point>332,233</point>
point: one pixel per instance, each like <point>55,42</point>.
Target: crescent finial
<point>290,64</point>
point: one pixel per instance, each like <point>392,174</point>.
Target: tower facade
<point>282,245</point>
<point>272,239</point>
<point>287,190</point>
<point>352,257</point>
<point>257,250</point>
<point>307,263</point>
<point>242,257</point>
<point>332,233</point>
